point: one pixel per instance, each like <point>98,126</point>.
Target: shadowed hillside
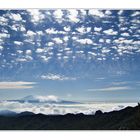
<point>125,119</point>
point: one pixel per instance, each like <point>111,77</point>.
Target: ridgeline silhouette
<point>125,119</point>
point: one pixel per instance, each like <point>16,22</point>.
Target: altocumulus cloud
<point>56,77</point>
<point>16,85</point>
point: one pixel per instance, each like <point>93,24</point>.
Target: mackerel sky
<point>91,55</point>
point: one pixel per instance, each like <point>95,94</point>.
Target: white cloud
<point>97,29</point>
<point>51,31</point>
<point>16,85</point>
<point>58,40</point>
<point>4,35</point>
<point>97,13</point>
<point>105,50</point>
<point>36,15</point>
<point>54,31</point>
<point>101,40</point>
<point>22,28</point>
<point>39,33</point>
<point>108,40</point>
<point>100,59</point>
<point>48,98</point>
<point>110,32</point>
<point>74,37</point>
<point>18,43</point>
<point>67,49</point>
<point>3,21</point>
<point>50,43</point>
<point>108,12</point>
<point>79,52</point>
<point>111,88</point>
<point>28,58</point>
<point>136,42</point>
<point>39,98</point>
<point>137,13</point>
<point>66,38</point>
<point>24,58</point>
<point>83,29</point>
<point>83,12</point>
<point>18,27</point>
<point>85,41</point>
<point>125,34</point>
<point>14,27</point>
<point>56,77</point>
<point>39,50</point>
<point>73,15</point>
<point>45,58</point>
<point>4,30</point>
<point>19,51</point>
<point>123,28</point>
<point>59,54</point>
<point>67,28</point>
<point>21,60</point>
<point>30,33</point>
<point>92,53</point>
<point>120,12</point>
<point>1,48</point>
<point>50,53</point>
<point>16,17</point>
<point>123,40</point>
<point>135,21</point>
<point>58,13</point>
<point>28,52</point>
<point>88,29</point>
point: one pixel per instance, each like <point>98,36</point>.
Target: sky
<point>75,54</point>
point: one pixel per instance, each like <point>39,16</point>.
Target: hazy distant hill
<point>125,119</point>
<point>7,113</point>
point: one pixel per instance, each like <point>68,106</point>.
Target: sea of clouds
<point>47,108</point>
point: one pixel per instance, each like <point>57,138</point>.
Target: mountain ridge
<point>125,119</point>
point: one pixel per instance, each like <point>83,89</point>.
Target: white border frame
<point>70,135</point>
<point>104,4</point>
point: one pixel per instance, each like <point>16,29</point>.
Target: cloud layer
<point>86,108</point>
<point>111,88</point>
<point>16,85</point>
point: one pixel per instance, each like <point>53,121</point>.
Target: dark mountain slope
<point>125,119</point>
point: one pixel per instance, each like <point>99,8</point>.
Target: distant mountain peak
<point>39,98</point>
<point>44,99</point>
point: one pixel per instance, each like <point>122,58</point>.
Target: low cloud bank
<point>47,108</point>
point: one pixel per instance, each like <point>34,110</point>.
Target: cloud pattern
<point>36,39</point>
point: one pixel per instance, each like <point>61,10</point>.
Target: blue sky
<point>90,55</point>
